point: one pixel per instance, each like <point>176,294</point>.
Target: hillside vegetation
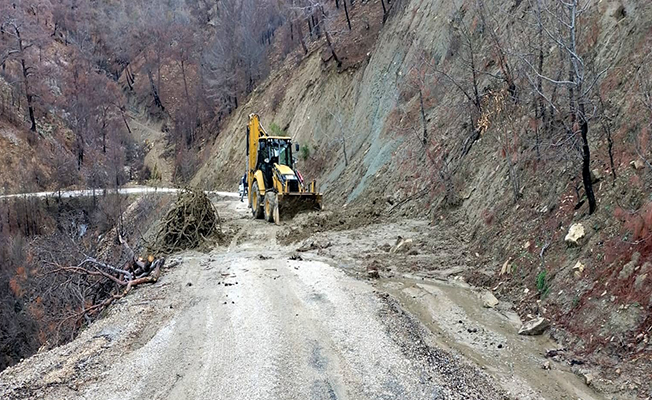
<point>506,122</point>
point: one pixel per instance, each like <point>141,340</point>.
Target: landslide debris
<point>190,222</point>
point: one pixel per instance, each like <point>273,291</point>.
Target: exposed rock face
<point>575,235</point>
<point>534,327</point>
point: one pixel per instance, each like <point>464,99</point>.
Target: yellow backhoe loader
<point>276,188</point>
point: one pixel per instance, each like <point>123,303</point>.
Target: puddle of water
<point>488,337</point>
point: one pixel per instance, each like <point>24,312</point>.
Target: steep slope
<point>511,183</point>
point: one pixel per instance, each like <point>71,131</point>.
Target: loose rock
<point>534,327</point>
<point>575,235</point>
<point>637,164</point>
<point>489,300</point>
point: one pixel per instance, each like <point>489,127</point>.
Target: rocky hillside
<point>472,114</point>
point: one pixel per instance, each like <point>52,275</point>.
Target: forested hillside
<point>521,126</point>
<point>86,87</point>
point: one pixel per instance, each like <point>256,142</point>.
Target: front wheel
<point>256,202</point>
<point>271,206</point>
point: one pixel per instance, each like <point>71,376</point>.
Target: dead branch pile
<point>191,220</point>
<point>135,271</point>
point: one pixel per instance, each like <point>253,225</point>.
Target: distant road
<point>100,192</point>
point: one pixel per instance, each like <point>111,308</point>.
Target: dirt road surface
<point>258,320</point>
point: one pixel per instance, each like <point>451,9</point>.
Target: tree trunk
<point>330,46</point>
<point>346,11</point>
<point>157,99</point>
<point>185,81</point>
<point>423,118</point>
<point>25,71</point>
<point>586,160</point>
<point>384,11</point>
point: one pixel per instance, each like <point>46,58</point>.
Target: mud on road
<point>257,319</point>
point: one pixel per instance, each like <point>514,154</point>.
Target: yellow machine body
<point>276,188</point>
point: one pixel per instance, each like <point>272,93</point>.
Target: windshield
<point>280,152</point>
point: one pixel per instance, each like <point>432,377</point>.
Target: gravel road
<point>253,321</point>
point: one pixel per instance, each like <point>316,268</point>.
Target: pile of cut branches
<point>189,223</point>
<point>117,281</point>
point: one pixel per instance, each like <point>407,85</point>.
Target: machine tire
<point>256,202</point>
<point>271,204</point>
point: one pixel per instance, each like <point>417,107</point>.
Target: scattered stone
<point>505,268</point>
<point>578,268</point>
<point>296,257</point>
<point>554,352</point>
<point>575,235</point>
<point>546,365</point>
<point>386,247</point>
<point>628,268</point>
<point>489,300</point>
<point>637,164</point>
<point>402,245</point>
<point>639,282</point>
<point>534,327</point>
<point>313,245</point>
<point>262,257</point>
<point>527,245</point>
<point>372,272</point>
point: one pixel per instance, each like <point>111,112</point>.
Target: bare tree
<point>559,24</point>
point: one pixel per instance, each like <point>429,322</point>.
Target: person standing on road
<point>243,186</point>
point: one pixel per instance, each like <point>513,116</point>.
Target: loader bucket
<point>291,204</point>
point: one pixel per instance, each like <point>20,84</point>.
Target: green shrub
<point>542,284</point>
<point>304,152</point>
<point>276,130</point>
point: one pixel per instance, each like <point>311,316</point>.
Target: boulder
<point>579,268</point>
<point>489,300</point>
<point>596,176</point>
<point>575,235</point>
<point>637,164</point>
<point>534,327</point>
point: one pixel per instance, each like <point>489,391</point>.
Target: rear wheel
<point>256,202</point>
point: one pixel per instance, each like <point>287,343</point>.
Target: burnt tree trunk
<point>346,11</point>
<point>423,118</point>
<point>586,160</point>
<point>25,70</point>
